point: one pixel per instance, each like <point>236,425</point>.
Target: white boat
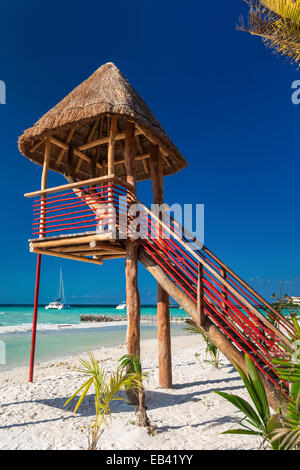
<point>56,305</point>
<point>121,306</point>
<point>59,303</point>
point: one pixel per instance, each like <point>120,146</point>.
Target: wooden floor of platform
<point>91,247</point>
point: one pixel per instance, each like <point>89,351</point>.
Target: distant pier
<point>115,318</point>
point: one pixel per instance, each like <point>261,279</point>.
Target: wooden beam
<point>76,152</point>
<point>224,290</point>
<point>103,140</point>
<point>132,299</point>
<point>129,154</point>
<point>46,164</point>
<point>106,246</point>
<point>117,256</point>
<point>154,140</point>
<point>144,161</point>
<point>94,245</point>
<point>37,144</point>
<point>68,241</point>
<point>131,263</point>
<point>79,184</point>
<point>156,174</point>
<point>89,138</point>
<point>65,255</point>
<point>200,296</point>
<point>67,141</point>
<point>163,309</point>
<point>44,178</point>
<point>86,253</point>
<point>145,156</point>
<point>111,145</point>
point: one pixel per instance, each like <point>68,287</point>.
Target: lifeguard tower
<point>104,139</point>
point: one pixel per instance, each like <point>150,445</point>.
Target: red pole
<point>35,312</point>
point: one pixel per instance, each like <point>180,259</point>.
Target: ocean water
<point>53,344</point>
<point>58,343</point>
<point>22,314</point>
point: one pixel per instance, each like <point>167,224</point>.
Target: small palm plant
<point>257,420</point>
<point>211,349</point>
<point>107,387</point>
<point>288,370</point>
<point>133,366</point>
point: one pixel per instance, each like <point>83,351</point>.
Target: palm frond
<point>277,22</point>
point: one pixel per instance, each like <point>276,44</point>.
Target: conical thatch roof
<point>84,115</point>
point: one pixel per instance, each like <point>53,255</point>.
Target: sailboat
<point>59,303</point>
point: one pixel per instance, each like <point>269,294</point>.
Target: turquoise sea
<point>65,340</point>
<point>20,314</point>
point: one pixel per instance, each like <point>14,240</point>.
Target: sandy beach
<point>189,416</point>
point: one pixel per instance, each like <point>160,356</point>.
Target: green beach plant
<point>257,419</point>
<point>288,369</point>
<point>133,365</point>
<point>280,430</point>
<point>107,386</point>
<point>211,350</point>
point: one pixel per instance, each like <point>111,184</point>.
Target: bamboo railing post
<point>163,306</point>
<point>38,265</point>
<point>200,296</point>
<point>224,291</point>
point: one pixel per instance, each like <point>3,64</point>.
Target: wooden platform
<point>91,247</point>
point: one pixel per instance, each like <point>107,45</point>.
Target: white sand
<point>189,416</point>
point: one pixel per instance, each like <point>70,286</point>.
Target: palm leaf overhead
<point>277,22</point>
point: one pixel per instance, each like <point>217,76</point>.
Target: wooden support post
<point>38,265</point>
<point>129,153</point>
<point>44,186</point>
<point>132,299</point>
<point>200,296</point>
<point>131,269</point>
<point>163,310</point>
<point>131,265</point>
<point>111,146</point>
<point>110,169</point>
<point>224,290</point>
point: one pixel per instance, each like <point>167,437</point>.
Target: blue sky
<point>221,96</point>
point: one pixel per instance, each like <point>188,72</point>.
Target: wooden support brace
<point>200,296</point>
<point>65,255</point>
<point>224,290</point>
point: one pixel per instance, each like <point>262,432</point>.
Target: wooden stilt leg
<point>164,339</point>
<point>163,310</point>
<point>132,299</point>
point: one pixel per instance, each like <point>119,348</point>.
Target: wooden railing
<point>242,315</point>
<point>89,205</point>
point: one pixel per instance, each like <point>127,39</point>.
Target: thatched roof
<point>87,109</point>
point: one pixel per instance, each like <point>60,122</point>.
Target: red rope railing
<point>236,311</point>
